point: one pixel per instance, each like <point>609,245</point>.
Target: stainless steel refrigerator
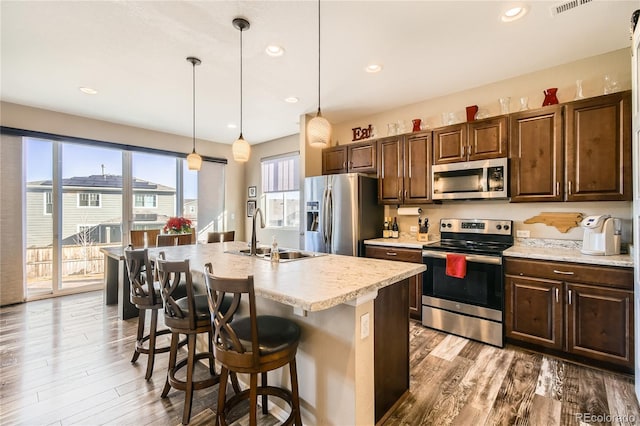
<point>341,211</point>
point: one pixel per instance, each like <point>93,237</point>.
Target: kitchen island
<point>353,312</point>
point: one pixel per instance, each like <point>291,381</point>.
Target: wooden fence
<point>77,261</point>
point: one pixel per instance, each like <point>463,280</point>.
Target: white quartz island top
<point>311,284</point>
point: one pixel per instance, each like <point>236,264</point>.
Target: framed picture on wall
<point>252,192</point>
<point>251,208</point>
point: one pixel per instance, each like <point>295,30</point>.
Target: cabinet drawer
<point>572,272</point>
<point>400,254</point>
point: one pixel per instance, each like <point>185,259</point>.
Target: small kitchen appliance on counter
<point>601,235</point>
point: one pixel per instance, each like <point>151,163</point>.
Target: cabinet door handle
<point>557,294</point>
<point>400,194</point>
<point>570,187</point>
<point>406,194</point>
<point>555,271</point>
<point>570,296</point>
<point>390,253</point>
<point>344,164</point>
<point>558,188</point>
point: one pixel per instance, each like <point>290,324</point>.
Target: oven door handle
<point>477,258</point>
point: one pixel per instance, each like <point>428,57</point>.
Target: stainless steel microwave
<point>483,179</point>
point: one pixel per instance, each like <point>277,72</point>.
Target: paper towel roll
<point>409,211</point>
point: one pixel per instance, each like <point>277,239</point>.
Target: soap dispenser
<point>275,254</point>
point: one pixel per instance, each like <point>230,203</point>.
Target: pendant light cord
<point>194,106</point>
<point>318,57</point>
<point>241,29</point>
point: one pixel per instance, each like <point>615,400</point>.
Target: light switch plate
<point>413,229</point>
<point>523,233</point>
<point>364,326</point>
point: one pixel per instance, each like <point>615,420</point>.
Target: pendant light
<point>319,128</point>
<point>194,161</point>
<point>240,147</point>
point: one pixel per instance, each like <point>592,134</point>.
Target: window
<point>88,199</point>
<point>48,202</point>
<point>145,200</point>
<point>281,191</point>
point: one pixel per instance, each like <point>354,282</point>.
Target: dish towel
<point>456,265</point>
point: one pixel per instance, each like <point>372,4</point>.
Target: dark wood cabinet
<point>415,282</point>
<point>598,154</point>
<point>579,310</point>
<point>579,151</point>
<point>334,160</point>
<point>356,157</point>
<point>536,156</point>
<point>475,140</point>
<point>534,310</point>
<point>404,169</point>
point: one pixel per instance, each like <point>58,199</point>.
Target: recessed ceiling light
<point>88,90</point>
<point>513,13</point>
<point>291,100</point>
<point>231,125</point>
<point>373,68</point>
<point>274,50</point>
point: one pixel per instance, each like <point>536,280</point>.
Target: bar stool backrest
<point>219,237</point>
<point>141,276</point>
<point>171,274</point>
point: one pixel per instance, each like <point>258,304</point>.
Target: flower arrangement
<point>177,225</point>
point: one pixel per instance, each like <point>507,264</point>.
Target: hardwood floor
<point>67,361</point>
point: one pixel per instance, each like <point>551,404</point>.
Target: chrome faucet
<point>254,243</point>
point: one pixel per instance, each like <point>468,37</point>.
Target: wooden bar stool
<point>145,295</point>
<point>185,315</point>
<point>254,345</point>
<point>219,237</point>
<point>166,240</point>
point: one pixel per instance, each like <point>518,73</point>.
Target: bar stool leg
<point>294,392</point>
<point>222,394</point>
<point>253,399</point>
<point>173,354</point>
<point>139,334</point>
<point>265,400</point>
<point>188,396</point>
<point>152,344</point>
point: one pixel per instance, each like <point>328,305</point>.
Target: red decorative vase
<point>416,124</point>
<point>471,112</point>
<point>550,97</point>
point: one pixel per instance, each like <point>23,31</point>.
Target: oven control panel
<point>477,226</point>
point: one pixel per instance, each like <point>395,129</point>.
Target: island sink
<point>286,255</point>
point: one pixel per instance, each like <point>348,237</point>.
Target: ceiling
<point>134,54</point>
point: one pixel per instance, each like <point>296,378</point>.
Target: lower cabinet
<point>583,311</point>
<point>415,282</point>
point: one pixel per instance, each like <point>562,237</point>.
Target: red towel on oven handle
<point>456,265</point>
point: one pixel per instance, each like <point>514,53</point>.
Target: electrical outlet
<point>523,234</point>
<point>364,326</point>
<point>413,229</point>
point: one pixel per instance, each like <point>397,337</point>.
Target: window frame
<point>89,206</point>
<point>282,180</point>
<point>145,194</point>
<point>48,195</point>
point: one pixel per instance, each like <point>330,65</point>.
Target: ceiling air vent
<point>567,6</point>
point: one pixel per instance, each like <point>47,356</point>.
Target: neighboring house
<point>92,209</point>
<point>190,209</point>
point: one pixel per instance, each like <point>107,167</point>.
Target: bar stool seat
<point>254,345</point>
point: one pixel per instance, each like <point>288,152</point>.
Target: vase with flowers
<point>177,225</point>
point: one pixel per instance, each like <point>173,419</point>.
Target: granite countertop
<point>405,241</point>
<point>310,284</point>
<point>564,251</point>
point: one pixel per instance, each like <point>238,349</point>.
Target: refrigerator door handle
<point>324,215</point>
<point>329,220</point>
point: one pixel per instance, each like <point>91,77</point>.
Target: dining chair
<point>219,237</point>
<point>137,237</point>
<point>166,240</point>
<point>253,345</point>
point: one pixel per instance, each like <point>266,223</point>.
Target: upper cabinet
<point>356,157</point>
<point>598,148</point>
<point>579,151</point>
<point>404,169</point>
<point>475,140</point>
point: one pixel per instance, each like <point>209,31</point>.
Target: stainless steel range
<point>463,288</point>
